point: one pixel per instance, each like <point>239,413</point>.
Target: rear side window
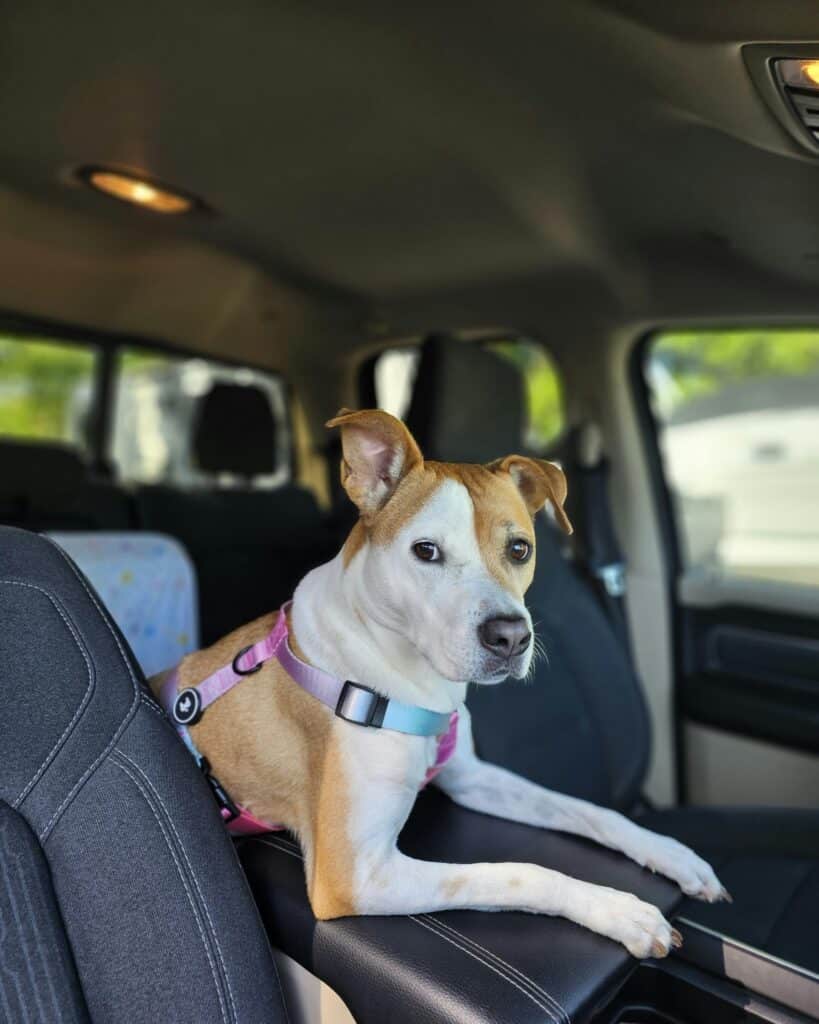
<point>738,419</point>
<point>395,372</point>
<point>155,405</point>
<point>46,390</point>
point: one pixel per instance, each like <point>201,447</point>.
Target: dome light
<point>138,191</point>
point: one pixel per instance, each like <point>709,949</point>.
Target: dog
<point>425,596</point>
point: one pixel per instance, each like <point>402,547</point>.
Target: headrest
<point>234,431</point>
<point>28,468</point>
<point>468,403</point>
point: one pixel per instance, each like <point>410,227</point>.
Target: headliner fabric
<point>234,431</point>
<point>468,404</point>
<point>148,584</point>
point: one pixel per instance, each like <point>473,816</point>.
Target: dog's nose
<point>507,637</point>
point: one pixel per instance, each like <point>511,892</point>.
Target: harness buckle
<point>361,705</point>
<point>613,578</point>
<point>228,808</point>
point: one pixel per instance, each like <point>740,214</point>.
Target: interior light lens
<point>800,74</point>
<point>130,188</point>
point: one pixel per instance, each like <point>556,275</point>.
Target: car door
<point>736,417</point>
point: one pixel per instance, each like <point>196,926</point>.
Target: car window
<point>738,419</point>
<point>155,399</point>
<point>396,368</point>
<point>46,389</point>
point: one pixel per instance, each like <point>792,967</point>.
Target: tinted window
<point>738,415</point>
<point>155,402</point>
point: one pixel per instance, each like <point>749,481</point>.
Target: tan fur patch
<point>272,747</point>
<point>452,886</point>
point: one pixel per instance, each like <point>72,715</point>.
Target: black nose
<point>507,637</point>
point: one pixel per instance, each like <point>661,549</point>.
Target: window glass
<point>395,372</point>
<point>544,394</point>
<point>155,403</point>
<point>46,389</point>
<point>738,416</point>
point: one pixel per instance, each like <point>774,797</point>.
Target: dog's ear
<point>538,482</point>
<point>378,451</point>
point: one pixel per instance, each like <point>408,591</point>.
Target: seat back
<point>148,584</point>
<point>47,487</point>
<point>250,546</point>
<point>579,723</point>
<point>121,897</point>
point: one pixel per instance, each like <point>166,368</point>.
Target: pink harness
<point>351,701</point>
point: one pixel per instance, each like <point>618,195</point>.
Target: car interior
<point>582,230</point>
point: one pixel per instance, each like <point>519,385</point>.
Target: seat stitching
<point>255,906</point>
<point>153,706</point>
<point>170,821</point>
<point>288,848</point>
<point>186,887</point>
<point>123,724</point>
<point>502,974</point>
<point>80,707</point>
<point>499,959</point>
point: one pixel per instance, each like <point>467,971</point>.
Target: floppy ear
<point>378,452</point>
<point>538,482</point>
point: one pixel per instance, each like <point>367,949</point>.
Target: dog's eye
<point>427,551</point>
<point>519,550</point>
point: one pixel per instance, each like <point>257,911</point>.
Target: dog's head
<point>445,551</point>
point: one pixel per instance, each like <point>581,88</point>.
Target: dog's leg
<point>392,883</point>
<point>490,789</point>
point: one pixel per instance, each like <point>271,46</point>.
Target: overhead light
<point>799,81</point>
<point>139,191</point>
<point>799,74</point>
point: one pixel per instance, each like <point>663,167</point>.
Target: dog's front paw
<point>693,875</point>
<point>639,926</point>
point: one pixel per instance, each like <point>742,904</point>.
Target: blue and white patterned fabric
<point>148,584</point>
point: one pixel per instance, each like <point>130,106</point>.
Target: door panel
<point>737,431</point>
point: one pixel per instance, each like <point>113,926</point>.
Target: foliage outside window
<point>45,390</point>
<point>738,415</point>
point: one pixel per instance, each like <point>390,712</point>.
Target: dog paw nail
<point>658,949</point>
<point>676,938</point>
<point>725,895</point>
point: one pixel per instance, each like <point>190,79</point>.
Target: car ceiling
<point>374,169</point>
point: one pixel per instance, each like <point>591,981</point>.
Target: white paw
<point>693,875</point>
<point>639,926</point>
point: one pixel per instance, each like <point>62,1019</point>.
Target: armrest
<point>458,966</point>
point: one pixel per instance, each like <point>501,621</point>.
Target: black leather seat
<point>250,546</point>
<point>580,725</point>
<point>121,898</point>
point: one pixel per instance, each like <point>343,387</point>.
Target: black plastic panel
<point>753,673</point>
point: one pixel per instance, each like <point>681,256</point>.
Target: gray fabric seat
<point>579,724</point>
<point>121,896</point>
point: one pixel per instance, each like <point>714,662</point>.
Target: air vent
<point>799,80</point>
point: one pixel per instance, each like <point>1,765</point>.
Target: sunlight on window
<point>738,414</point>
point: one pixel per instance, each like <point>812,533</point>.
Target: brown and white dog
<point>425,596</point>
